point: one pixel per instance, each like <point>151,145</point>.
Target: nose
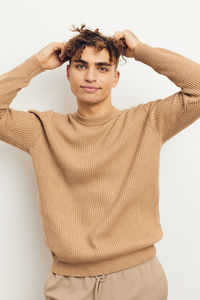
<point>90,75</point>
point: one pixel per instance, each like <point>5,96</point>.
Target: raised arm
<point>177,111</point>
<point>172,114</point>
<point>21,128</point>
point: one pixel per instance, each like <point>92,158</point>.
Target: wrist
<point>135,48</point>
<point>40,60</point>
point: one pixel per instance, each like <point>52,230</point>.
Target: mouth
<point>89,89</point>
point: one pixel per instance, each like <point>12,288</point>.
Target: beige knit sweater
<point>98,178</point>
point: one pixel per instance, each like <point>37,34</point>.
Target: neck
<point>94,118</point>
<point>93,110</point>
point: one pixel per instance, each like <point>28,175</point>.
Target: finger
<point>117,32</point>
<point>57,46</point>
<point>62,54</point>
<point>119,35</point>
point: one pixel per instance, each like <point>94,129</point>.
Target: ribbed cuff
<point>32,66</point>
<point>141,50</point>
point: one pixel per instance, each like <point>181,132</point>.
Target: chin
<point>92,100</point>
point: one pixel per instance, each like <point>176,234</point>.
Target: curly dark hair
<point>88,37</point>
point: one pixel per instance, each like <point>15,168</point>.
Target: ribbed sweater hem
<point>103,267</point>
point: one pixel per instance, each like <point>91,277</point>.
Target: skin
<point>104,77</point>
<point>89,104</point>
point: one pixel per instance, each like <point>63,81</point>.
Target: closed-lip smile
<point>89,87</point>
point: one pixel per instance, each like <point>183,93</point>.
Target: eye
<point>80,66</point>
<point>104,69</point>
<point>77,66</point>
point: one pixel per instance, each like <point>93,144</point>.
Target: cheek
<point>75,80</point>
<point>107,82</point>
<point>108,85</point>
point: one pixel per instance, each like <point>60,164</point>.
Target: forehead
<point>91,54</point>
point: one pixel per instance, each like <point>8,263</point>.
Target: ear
<point>68,72</point>
<point>117,75</point>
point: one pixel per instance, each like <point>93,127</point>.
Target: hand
<point>129,39</point>
<point>52,56</point>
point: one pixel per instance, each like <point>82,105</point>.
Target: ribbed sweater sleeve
<point>18,128</point>
<point>172,114</point>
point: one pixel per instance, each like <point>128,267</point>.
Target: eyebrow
<point>103,63</point>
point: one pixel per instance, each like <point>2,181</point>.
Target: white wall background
<point>28,26</point>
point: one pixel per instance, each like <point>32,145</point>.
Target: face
<point>89,72</point>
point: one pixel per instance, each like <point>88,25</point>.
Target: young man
<point>97,169</point>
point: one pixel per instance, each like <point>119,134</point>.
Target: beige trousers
<point>145,281</point>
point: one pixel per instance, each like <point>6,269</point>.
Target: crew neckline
<point>93,120</point>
